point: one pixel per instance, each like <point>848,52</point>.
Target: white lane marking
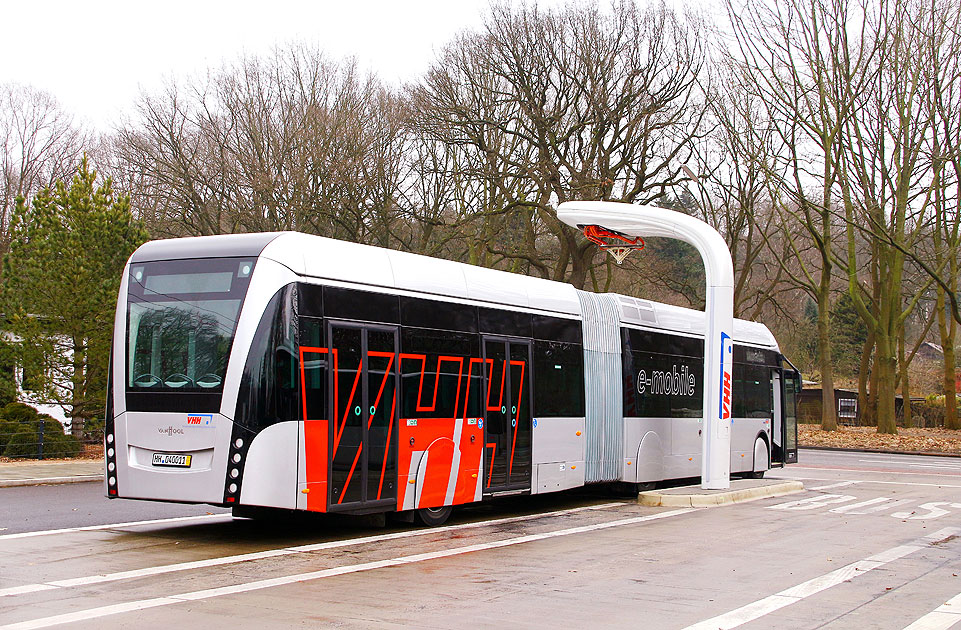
<point>934,511</point>
<point>944,466</point>
<point>812,503</point>
<point>886,504</point>
<point>941,618</point>
<point>104,611</point>
<point>839,484</point>
<point>90,528</point>
<point>761,607</point>
<point>951,466</point>
<point>871,481</point>
<point>284,551</point>
<point>863,470</point>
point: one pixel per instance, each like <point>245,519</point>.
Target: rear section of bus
<point>185,315</point>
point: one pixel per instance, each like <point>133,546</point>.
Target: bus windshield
<point>181,318</point>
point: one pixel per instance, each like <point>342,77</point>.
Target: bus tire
<point>433,517</point>
<point>760,450</point>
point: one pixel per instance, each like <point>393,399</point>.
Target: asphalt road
<point>34,508</point>
<point>873,542</point>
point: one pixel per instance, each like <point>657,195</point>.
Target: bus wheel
<point>760,455</point>
<point>432,517</point>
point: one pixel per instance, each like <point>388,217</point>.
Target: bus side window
<point>558,379</point>
<point>270,381</point>
<point>314,368</point>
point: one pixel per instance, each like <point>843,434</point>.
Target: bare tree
<point>39,145</point>
<point>565,104</point>
<point>293,141</point>
<point>798,59</point>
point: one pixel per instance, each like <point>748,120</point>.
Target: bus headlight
<point>237,457</point>
<point>234,473</point>
<point>112,481</point>
<point>232,488</point>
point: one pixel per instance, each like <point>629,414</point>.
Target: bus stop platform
<point>40,473</point>
<point>741,490</point>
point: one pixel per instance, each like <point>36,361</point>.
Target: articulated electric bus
<point>291,371</point>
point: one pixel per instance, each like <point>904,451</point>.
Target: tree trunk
<point>948,332</point>
<point>76,419</point>
<point>864,371</point>
<point>905,381</point>
<point>829,418</point>
<point>885,365</point>
<point>871,411</point>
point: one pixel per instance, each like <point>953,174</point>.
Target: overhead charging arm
<point>645,221</point>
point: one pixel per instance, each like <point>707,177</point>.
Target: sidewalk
<point>38,473</point>
<point>741,491</point>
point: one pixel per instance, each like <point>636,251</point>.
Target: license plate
<point>171,459</point>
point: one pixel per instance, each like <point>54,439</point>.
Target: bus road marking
<point>91,528</point>
<point>767,605</point>
<point>854,508</point>
<point>274,553</point>
<point>812,503</point>
<point>840,484</point>
<point>104,611</point>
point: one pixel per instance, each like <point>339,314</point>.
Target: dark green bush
<point>23,443</point>
<point>24,440</point>
<point>59,445</point>
<point>7,429</point>
<point>19,412</point>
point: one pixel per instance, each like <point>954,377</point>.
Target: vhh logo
<point>199,420</point>
<point>725,410</point>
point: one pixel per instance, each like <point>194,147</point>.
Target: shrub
<point>24,440</point>
<point>930,413</point>
<point>7,429</point>
<point>19,412</point>
<point>56,444</point>
<point>23,443</point>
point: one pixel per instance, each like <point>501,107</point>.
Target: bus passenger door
<point>507,426</point>
<point>791,388</point>
<point>363,403</point>
<point>785,384</point>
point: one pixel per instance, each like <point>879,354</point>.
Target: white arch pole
<point>635,220</point>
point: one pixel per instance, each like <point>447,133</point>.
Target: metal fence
<point>44,438</point>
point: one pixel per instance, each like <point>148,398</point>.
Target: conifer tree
<point>60,282</point>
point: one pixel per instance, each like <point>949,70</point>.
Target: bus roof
<point>323,258</point>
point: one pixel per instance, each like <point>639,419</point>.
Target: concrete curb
<point>657,498</point>
<point>844,449</point>
<point>48,481</point>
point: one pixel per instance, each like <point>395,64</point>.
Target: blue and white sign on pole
<point>635,220</point>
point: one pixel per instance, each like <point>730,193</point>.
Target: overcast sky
<point>96,56</point>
